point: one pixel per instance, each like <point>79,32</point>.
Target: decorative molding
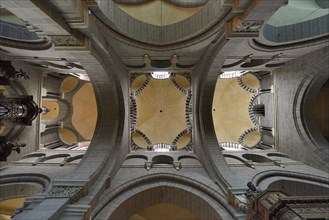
<point>188,111</point>
<point>244,86</point>
<point>72,192</point>
<point>178,86</point>
<point>133,111</point>
<point>245,133</point>
<point>143,86</point>
<point>253,117</point>
<point>66,40</point>
<point>249,26</point>
<point>185,131</point>
<point>39,44</point>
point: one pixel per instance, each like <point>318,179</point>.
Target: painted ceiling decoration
<point>161,112</point>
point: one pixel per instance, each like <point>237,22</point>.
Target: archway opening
<point>166,198</point>
<point>164,211</point>
<point>9,206</point>
<point>321,109</point>
<point>299,188</point>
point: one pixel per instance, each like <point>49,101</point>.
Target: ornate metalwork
<point>251,193</point>
<point>66,40</point>
<point>7,147</point>
<point>249,26</point>
<point>8,73</point>
<point>72,192</point>
<point>18,110</point>
<point>277,205</point>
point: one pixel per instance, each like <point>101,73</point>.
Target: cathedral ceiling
<point>159,113</point>
<point>230,110</point>
<point>159,13</point>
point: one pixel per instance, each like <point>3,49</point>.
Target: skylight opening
<point>232,74</point>
<point>235,148</point>
<point>160,74</point>
<point>161,148</point>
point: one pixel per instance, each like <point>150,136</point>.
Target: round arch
<point>39,181</point>
<point>124,201</point>
<point>263,180</point>
<point>165,194</point>
<point>299,188</point>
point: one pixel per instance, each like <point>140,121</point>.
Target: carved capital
<point>72,192</point>
<point>249,26</point>
<point>66,40</point>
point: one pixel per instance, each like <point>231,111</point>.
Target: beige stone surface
<point>2,128</point>
<point>85,111</point>
<point>230,110</point>
<point>251,139</point>
<point>69,84</point>
<point>138,82</point>
<point>53,107</point>
<point>139,140</point>
<point>161,111</point>
<point>158,12</point>
<point>184,140</point>
<point>67,136</point>
<point>182,81</point>
<point>9,206</point>
<point>164,211</point>
<point>250,80</point>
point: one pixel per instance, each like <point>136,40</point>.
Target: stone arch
<point>17,191</point>
<point>304,103</point>
<point>165,194</point>
<point>124,201</point>
<point>200,26</point>
<point>233,158</point>
<point>64,110</point>
<point>14,196</point>
<point>303,110</point>
<point>14,190</point>
<point>299,188</point>
<point>108,137</point>
<point>264,179</point>
<point>256,158</point>
<point>39,181</point>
